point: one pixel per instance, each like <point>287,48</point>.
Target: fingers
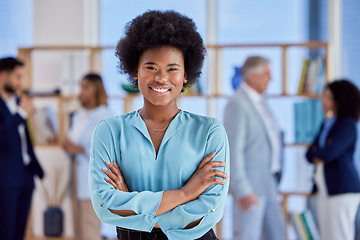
<point>216,180</point>
<point>206,160</point>
<point>111,175</point>
<point>116,178</point>
<point>213,164</point>
<point>114,168</point>
<point>108,180</point>
<point>218,173</point>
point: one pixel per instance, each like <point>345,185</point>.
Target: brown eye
<point>150,68</point>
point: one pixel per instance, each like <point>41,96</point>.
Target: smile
<point>160,91</point>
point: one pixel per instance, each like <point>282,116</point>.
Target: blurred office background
<point>70,25</point>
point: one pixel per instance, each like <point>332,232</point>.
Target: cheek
<point>327,104</point>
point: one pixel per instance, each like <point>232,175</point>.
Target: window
<point>16,26</point>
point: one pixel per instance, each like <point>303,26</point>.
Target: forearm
<point>123,213</point>
<point>73,148</point>
<point>78,149</point>
<point>170,200</point>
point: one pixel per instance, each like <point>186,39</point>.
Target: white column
<point>335,39</point>
<point>211,55</point>
<point>65,22</point>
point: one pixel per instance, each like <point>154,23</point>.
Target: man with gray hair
<point>255,156</point>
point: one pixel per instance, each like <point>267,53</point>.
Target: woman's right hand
<point>204,177</point>
<point>116,178</point>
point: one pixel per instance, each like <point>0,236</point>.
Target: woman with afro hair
<point>336,179</point>
<point>160,172</point>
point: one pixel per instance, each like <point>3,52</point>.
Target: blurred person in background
<point>93,100</point>
<point>336,180</point>
<point>255,156</point>
<point>18,162</point>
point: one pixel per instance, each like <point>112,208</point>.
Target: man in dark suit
<point>18,163</point>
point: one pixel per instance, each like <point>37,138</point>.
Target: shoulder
<point>197,119</point>
<point>78,113</point>
<point>212,126</point>
<point>103,110</point>
<point>240,99</point>
<point>348,124</point>
<point>120,120</point>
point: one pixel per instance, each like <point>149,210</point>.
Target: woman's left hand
<point>116,178</point>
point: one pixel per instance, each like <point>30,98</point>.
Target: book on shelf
<point>44,126</point>
<point>303,75</point>
<point>304,225</point>
<point>312,79</point>
<point>310,224</point>
<point>299,226</point>
<point>308,116</point>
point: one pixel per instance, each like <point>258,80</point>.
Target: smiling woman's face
<point>161,74</point>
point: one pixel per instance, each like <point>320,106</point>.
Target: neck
<point>89,106</point>
<point>158,114</point>
<point>5,93</point>
<point>250,84</point>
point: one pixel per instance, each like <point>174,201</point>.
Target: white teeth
<point>162,90</point>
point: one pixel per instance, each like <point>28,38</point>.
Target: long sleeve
<point>310,152</point>
<point>339,142</point>
<point>99,114</point>
<point>105,197</point>
<point>210,204</point>
<point>235,125</point>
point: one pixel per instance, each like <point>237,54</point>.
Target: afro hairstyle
<point>156,28</point>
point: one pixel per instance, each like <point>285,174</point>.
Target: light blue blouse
<point>188,139</point>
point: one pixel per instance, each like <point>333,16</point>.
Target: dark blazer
<point>13,172</point>
<point>339,169</point>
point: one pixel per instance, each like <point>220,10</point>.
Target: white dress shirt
<point>273,130</point>
<point>14,108</point>
<point>83,124</point>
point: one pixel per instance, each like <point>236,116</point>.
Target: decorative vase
<point>236,79</point>
<point>53,221</point>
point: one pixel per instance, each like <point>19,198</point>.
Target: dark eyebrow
<point>169,65</point>
<point>174,64</point>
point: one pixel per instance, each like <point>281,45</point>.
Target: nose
<point>161,77</point>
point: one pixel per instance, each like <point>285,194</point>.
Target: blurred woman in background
<point>336,179</point>
<point>93,100</point>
